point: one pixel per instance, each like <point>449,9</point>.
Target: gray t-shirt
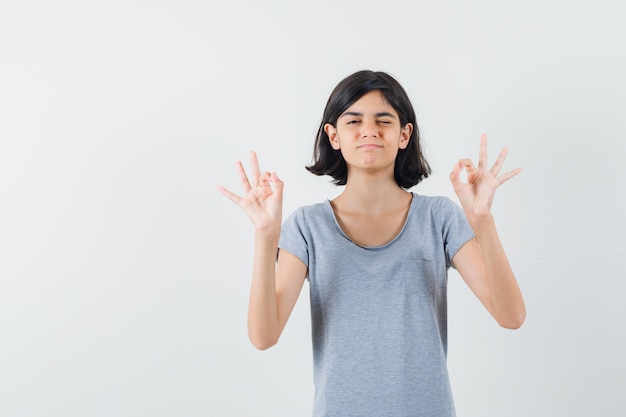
<point>378,314</point>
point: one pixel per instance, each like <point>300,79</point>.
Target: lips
<point>369,146</point>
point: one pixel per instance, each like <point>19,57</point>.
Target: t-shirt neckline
<point>331,212</point>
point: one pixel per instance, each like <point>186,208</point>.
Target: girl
<point>376,256</point>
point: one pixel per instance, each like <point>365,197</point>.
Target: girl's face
<point>369,134</point>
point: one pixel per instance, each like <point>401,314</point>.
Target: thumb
<point>455,176</point>
<point>278,186</point>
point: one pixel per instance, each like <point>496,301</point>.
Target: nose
<point>369,128</point>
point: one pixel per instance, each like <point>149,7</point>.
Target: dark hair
<point>410,166</point>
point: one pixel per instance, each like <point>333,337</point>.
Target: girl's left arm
<point>482,262</point>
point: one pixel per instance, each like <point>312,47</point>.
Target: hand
<point>263,199</point>
<point>476,196</point>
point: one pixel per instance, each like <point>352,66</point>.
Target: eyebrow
<point>358,114</point>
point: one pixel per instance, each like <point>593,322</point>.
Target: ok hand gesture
<point>476,195</point>
<point>263,198</point>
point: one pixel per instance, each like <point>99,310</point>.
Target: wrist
<point>267,233</point>
<point>479,220</point>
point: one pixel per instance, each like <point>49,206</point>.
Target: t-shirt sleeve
<point>293,236</point>
<point>456,230</point>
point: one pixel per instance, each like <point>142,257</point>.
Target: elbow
<point>513,322</point>
<point>262,345</point>
<point>262,342</point>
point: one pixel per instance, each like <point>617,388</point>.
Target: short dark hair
<point>410,166</point>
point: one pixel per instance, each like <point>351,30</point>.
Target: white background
<point>124,274</point>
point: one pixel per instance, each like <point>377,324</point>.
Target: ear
<point>331,131</point>
<point>405,135</point>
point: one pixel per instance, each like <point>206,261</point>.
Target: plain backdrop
<point>124,274</point>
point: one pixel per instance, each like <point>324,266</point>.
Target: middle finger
<point>254,166</point>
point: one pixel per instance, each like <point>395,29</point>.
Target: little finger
<point>228,194</point>
<point>508,175</point>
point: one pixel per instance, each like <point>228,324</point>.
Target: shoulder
<point>308,214</point>
<point>308,224</point>
<point>435,203</point>
<point>310,210</point>
<point>440,211</point>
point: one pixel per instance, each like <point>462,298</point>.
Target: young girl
<point>376,257</point>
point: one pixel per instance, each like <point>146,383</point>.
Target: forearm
<point>263,324</point>
<point>507,303</point>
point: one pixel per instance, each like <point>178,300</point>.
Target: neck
<point>372,194</point>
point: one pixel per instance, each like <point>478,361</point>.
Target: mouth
<point>369,146</point>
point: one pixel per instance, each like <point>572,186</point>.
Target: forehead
<point>372,102</point>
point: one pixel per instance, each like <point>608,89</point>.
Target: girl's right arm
<point>276,284</point>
